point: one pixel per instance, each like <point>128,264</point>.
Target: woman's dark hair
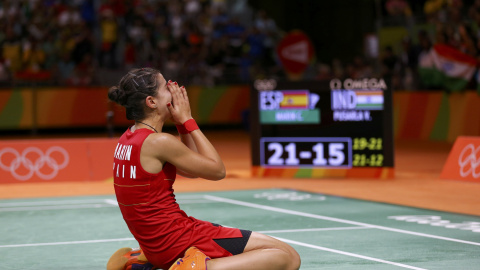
<point>132,90</point>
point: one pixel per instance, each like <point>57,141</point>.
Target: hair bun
<point>117,95</point>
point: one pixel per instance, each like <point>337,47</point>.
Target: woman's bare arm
<point>167,148</point>
<point>196,150</point>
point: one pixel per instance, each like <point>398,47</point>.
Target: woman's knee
<point>292,258</point>
<point>261,241</point>
<point>295,260</point>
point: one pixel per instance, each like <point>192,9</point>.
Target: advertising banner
<point>56,160</point>
<point>463,162</point>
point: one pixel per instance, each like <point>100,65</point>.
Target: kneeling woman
<point>146,162</point>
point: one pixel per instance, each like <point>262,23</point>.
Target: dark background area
<point>336,28</point>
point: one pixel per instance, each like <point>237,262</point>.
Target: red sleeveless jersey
<point>148,205</point>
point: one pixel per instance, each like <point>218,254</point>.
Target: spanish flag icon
<point>294,99</point>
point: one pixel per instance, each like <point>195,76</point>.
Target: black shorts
<point>234,245</point>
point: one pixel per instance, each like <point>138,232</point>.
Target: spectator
<point>236,35</point>
<point>390,67</point>
<point>324,72</point>
<point>83,72</point>
<point>83,45</point>
<point>398,8</point>
<point>219,21</point>
<point>9,10</point>
<point>65,69</point>
<point>256,44</point>
<point>129,57</point>
<point>69,16</point>
<point>33,57</point>
<point>338,69</point>
<point>48,47</point>
<point>65,42</point>
<point>268,28</point>
<point>474,12</point>
<point>109,39</point>
<point>4,74</point>
<point>214,60</point>
<point>264,23</point>
<point>424,41</point>
<point>434,10</point>
<point>87,12</point>
<point>361,69</point>
<point>409,63</point>
<point>192,8</point>
<point>37,28</point>
<point>467,40</point>
<point>12,51</point>
<point>173,65</point>
<point>176,21</point>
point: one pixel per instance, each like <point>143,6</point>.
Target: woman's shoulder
<point>160,140</point>
<point>160,145</point>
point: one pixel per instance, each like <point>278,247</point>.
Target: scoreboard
<point>322,128</point>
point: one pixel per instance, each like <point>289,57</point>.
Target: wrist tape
<point>187,127</point>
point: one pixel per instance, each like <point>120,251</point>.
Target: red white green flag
<point>446,67</point>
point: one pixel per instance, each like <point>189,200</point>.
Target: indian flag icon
<point>369,100</point>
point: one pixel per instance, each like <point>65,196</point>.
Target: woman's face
<point>163,96</point>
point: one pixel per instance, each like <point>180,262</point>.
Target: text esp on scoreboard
<point>322,128</point>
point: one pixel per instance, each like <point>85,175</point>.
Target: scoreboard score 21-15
<point>314,129</point>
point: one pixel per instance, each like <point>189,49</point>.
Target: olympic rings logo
<point>469,160</point>
<point>264,85</point>
<point>34,166</point>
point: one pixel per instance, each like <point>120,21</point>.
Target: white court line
<point>315,229</point>
<point>183,196</point>
<point>180,201</point>
<point>128,239</point>
<point>56,207</point>
<point>63,202</point>
<point>14,204</point>
<point>297,213</point>
<point>348,253</point>
<point>68,243</point>
<point>112,202</point>
<point>106,203</point>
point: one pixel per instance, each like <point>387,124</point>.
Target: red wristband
<point>187,127</point>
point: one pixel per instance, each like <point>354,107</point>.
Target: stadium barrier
<point>56,160</point>
<point>437,116</point>
<point>73,107</point>
<point>417,115</point>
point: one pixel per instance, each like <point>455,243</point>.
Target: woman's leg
<point>262,252</point>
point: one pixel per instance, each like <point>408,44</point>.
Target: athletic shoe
<point>127,259</point>
<point>134,263</point>
<point>194,259</point>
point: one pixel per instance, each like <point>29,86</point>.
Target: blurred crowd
<point>194,41</point>
<point>448,22</point>
<point>427,22</point>
<point>76,42</point>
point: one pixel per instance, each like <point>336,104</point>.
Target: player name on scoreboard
<point>323,128</point>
